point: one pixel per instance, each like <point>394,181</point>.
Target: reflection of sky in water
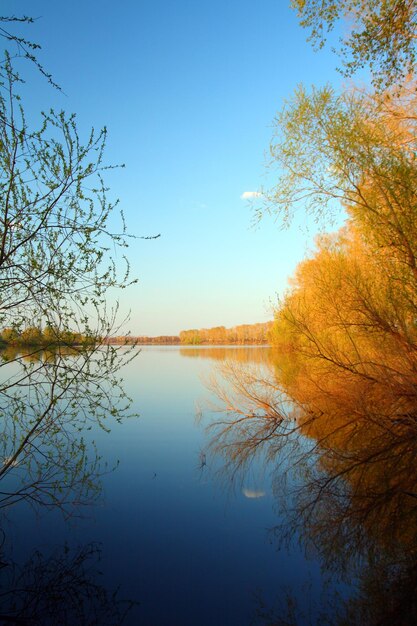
<point>252,493</point>
<point>174,538</point>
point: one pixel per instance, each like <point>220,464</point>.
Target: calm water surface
<point>174,535</point>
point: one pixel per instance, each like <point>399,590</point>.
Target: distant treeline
<point>48,336</point>
<point>243,334</point>
<point>129,340</point>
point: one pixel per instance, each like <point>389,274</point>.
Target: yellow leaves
<point>348,326</point>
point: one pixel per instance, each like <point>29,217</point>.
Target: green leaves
<point>55,272</point>
<point>380,34</point>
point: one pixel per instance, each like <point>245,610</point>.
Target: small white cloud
<point>248,195</point>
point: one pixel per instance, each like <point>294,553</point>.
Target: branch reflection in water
<point>61,588</point>
<point>347,448</point>
<point>49,401</point>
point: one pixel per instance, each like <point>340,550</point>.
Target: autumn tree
<point>334,414</point>
<point>243,334</point>
<point>349,316</point>
<point>337,409</point>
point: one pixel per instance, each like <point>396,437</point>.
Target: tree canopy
<point>381,34</point>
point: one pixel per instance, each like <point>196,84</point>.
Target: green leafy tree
<point>352,150</point>
<point>55,271</point>
<point>381,34</point>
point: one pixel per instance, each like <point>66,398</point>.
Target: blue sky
<point>188,92</point>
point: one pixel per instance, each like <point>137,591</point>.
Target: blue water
<point>190,548</point>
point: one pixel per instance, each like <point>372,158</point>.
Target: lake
<point>192,545</point>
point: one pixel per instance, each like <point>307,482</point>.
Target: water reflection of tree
<point>62,588</point>
<point>244,354</point>
<point>51,400</point>
<point>351,455</point>
<point>57,397</point>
